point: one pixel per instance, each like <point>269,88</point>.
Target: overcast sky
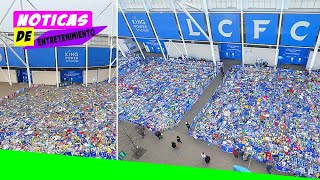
<point>96,6</point>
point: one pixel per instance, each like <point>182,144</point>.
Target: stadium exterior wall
<point>316,63</point>
<point>45,77</point>
<point>98,75</point>
<point>251,54</point>
<point>13,74</point>
<point>194,50</point>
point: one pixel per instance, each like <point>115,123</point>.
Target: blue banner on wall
<point>71,57</point>
<point>189,29</point>
<point>290,55</point>
<point>153,45</point>
<point>165,25</point>
<point>13,60</point>
<point>230,51</point>
<point>261,28</point>
<point>225,27</point>
<point>22,76</point>
<point>75,76</point>
<point>123,29</point>
<point>100,56</point>
<point>2,58</point>
<point>42,57</point>
<point>140,25</point>
<point>300,29</point>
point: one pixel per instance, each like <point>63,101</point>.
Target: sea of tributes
<point>157,93</point>
<point>271,114</point>
<point>74,120</point>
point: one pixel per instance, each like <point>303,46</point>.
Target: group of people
<point>74,120</point>
<point>270,114</point>
<point>159,92</point>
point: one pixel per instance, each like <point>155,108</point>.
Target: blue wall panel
<point>2,58</point>
<point>70,57</point>
<point>13,60</point>
<point>140,25</point>
<point>189,30</point>
<point>123,29</point>
<point>22,76</point>
<point>225,27</point>
<point>100,56</point>
<point>230,51</point>
<point>42,57</point>
<point>300,29</point>
<point>165,25</point>
<point>290,55</point>
<point>261,28</point>
<point>75,76</point>
<point>153,45</point>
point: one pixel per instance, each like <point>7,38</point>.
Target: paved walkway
<point>6,89</point>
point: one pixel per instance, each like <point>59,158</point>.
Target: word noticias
<point>52,19</point>
<point>25,22</point>
<point>60,38</point>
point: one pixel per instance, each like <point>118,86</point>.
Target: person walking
<point>235,152</point>
<point>174,145</point>
<point>207,160</point>
<point>269,167</point>
<point>188,125</point>
<point>203,155</point>
<point>179,139</point>
<point>158,134</point>
<point>222,72</point>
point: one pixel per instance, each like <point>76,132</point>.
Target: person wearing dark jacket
<point>188,125</point>
<point>174,145</point>
<point>269,167</point>
<point>158,134</point>
<point>179,139</point>
<point>207,160</point>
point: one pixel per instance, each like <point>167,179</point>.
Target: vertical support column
<point>121,50</point>
<point>206,12</point>
<point>111,42</point>
<point>169,49</point>
<point>117,90</point>
<point>28,68</point>
<point>21,5</point>
<point>8,65</point>
<point>57,68</point>
<point>279,35</point>
<point>179,27</point>
<point>86,64</point>
<point>198,26</point>
<point>242,34</point>
<point>315,52</point>
<point>154,29</point>
<point>134,37</point>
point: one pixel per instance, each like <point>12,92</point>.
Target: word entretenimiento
<point>77,35</point>
<point>52,19</point>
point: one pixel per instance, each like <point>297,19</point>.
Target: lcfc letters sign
<point>260,28</point>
